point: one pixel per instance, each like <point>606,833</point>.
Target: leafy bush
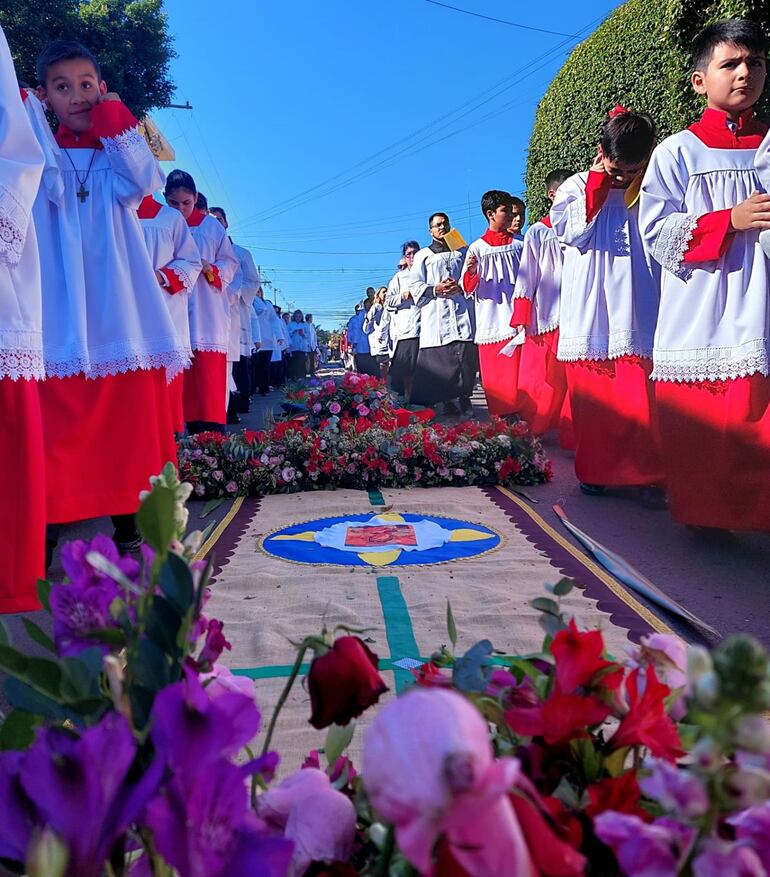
<point>639,58</point>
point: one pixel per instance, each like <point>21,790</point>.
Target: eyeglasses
<point>441,224</point>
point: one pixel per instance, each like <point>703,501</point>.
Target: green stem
<point>284,694</point>
<point>382,868</point>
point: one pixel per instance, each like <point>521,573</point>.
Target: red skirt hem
<point>499,377</point>
<point>613,416</point>
<point>205,388</point>
<point>104,438</point>
<point>22,498</point>
<point>542,383</point>
<point>716,448</point>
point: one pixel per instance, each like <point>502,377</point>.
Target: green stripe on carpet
<point>398,628</point>
<point>282,671</point>
<point>376,497</point>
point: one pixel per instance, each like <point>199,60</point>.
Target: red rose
<point>621,794</point>
<point>343,682</point>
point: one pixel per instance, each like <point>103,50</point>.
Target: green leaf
<point>18,730</point>
<point>561,588</point>
<point>163,625</point>
<point>545,604</point>
<point>38,635</point>
<point>472,670</point>
<point>615,763</point>
<point>551,624</point>
<point>177,584</point>
<point>44,593</point>
<point>45,676</point>
<point>211,506</point>
<point>109,636</point>
<point>81,675</point>
<point>24,697</point>
<point>150,667</point>
<point>338,739</point>
<point>5,640</point>
<point>155,519</point>
<point>450,625</point>
<point>12,661</point>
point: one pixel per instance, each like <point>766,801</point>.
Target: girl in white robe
<point>177,265</point>
<point>205,386</point>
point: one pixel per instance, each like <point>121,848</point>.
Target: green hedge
<point>639,58</point>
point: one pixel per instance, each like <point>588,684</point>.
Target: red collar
<point>196,218</point>
<point>24,94</point>
<point>713,130</point>
<point>497,238</point>
<point>67,139</point>
<point>546,220</point>
<point>149,208</point>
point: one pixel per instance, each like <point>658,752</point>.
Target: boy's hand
<point>206,265</point>
<point>472,264</point>
<point>598,164</point>
<point>752,213</point>
<point>446,287</point>
<point>110,95</point>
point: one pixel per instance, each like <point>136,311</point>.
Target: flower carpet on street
<point>130,748</point>
<point>351,434</point>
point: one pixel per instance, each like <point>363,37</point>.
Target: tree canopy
<point>638,58</point>
<point>130,39</point>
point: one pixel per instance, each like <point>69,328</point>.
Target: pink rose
<point>444,781</point>
<point>335,408</point>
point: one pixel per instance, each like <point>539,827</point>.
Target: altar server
<point>609,304</point>
<point>109,340</point>
<point>263,320</point>
<point>489,275</point>
<point>447,362</point>
<point>536,299</point>
<point>22,498</point>
<point>404,324</point>
<point>205,383</point>
<point>701,216</point>
<point>177,265</point>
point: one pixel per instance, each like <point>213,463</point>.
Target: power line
<point>555,33</point>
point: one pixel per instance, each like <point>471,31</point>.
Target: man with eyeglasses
<point>447,361</point>
<point>404,324</point>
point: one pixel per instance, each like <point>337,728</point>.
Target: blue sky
<point>329,131</point>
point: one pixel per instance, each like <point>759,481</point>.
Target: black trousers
<point>242,382</point>
<point>261,361</point>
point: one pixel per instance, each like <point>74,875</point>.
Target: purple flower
<point>317,408</point>
<point>18,811</point>
<point>190,730</point>
<point>202,826</point>
<point>231,487</point>
<point>335,408</point>
<point>719,858</point>
<point>752,827</point>
<point>215,643</point>
<point>362,410</point>
<point>645,850</point>
<point>677,791</point>
<point>218,475</point>
<point>67,777</point>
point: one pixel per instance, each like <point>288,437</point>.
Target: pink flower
<point>288,473</point>
<point>719,858</point>
<point>317,408</point>
<point>221,681</point>
<point>335,408</point>
<point>363,410</point>
<point>444,782</point>
<point>668,655</point>
<point>320,820</point>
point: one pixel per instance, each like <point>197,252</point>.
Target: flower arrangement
<point>348,398</point>
<point>372,450</point>
<point>128,747</point>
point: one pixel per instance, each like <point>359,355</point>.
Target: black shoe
<point>233,419</point>
<point>653,498</point>
<point>450,409</point>
<point>129,547</point>
<point>593,489</point>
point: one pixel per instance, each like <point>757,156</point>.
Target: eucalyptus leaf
<point>44,593</point>
<point>561,588</point>
<point>5,639</point>
<point>45,676</point>
<point>338,739</point>
<point>12,661</point>
<point>24,697</point>
<point>545,604</point>
<point>450,625</point>
<point>177,584</point>
<point>38,635</point>
<point>471,671</point>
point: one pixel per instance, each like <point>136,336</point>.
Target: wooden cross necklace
<point>82,193</point>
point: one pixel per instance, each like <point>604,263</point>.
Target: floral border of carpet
<point>350,433</point>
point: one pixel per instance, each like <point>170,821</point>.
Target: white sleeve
<point>472,250</point>
<point>226,261</point>
<point>418,277</point>
<point>393,295</point>
<point>528,277</point>
<point>762,162</point>
<point>569,213</point>
<point>21,163</point>
<point>664,222</point>
<point>186,263</point>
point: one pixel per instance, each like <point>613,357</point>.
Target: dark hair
<point>493,199</point>
<point>556,178</point>
<point>517,202</point>
<point>407,245</point>
<point>628,137</point>
<point>434,215</point>
<point>308,315</point>
<point>201,202</point>
<point>62,50</point>
<point>734,32</point>
<point>219,210</point>
<point>179,180</point>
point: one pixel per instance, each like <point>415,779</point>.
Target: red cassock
<point>204,387</point>
<point>124,435</point>
<point>499,377</point>
<point>22,498</point>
